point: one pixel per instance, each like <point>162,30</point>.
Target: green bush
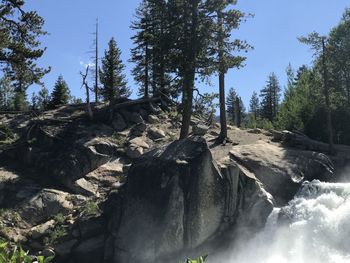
<point>6,133</point>
<point>16,254</point>
<point>198,260</point>
<point>89,208</point>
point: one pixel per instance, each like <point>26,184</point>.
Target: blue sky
<point>273,32</point>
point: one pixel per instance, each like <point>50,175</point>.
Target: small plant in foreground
<point>198,260</point>
<point>89,208</point>
<point>16,254</point>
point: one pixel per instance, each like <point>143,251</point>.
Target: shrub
<point>6,133</point>
<point>199,260</point>
<point>89,208</point>
<point>16,254</point>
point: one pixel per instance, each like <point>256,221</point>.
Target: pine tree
<point>224,19</point>
<point>270,98</point>
<point>43,99</point>
<point>19,46</point>
<point>6,93</point>
<point>60,94</point>
<point>254,105</point>
<point>319,45</point>
<point>141,53</point>
<point>152,49</point>
<point>230,103</point>
<point>111,74</point>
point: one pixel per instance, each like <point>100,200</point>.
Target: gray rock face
<point>176,199</point>
<point>152,119</point>
<point>45,204</point>
<point>282,170</point>
<point>138,129</point>
<point>156,133</point>
<point>134,151</point>
<point>139,141</point>
<point>84,187</point>
<point>119,123</point>
<point>200,129</point>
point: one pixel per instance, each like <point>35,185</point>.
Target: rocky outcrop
<point>177,199</point>
<point>282,170</point>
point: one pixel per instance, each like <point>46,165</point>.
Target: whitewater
<point>313,228</point>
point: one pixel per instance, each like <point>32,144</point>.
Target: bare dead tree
<point>87,92</point>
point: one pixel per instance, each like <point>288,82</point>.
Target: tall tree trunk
<point>348,89</point>
<point>222,70</point>
<point>96,64</point>
<point>187,100</point>
<point>189,67</point>
<point>223,121</point>
<point>327,99</point>
<point>146,91</point>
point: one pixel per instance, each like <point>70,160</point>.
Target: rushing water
<point>313,228</point>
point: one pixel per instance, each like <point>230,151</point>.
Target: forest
<point>177,44</point>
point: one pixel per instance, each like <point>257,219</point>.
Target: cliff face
<point>177,200</point>
<point>123,190</point>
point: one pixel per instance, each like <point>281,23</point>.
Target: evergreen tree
<point>270,95</point>
<point>141,54</point>
<point>254,105</point>
<point>152,49</point>
<point>20,101</point>
<point>319,45</point>
<point>60,94</point>
<point>111,74</point>
<point>338,61</point>
<point>205,106</point>
<point>43,99</point>
<point>6,94</point>
<point>20,47</point>
<point>224,19</point>
<point>230,103</point>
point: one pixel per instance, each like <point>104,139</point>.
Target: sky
<point>272,32</point>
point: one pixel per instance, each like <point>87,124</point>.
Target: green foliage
<point>205,105</point>
<point>7,94</point>
<point>201,259</point>
<point>43,99</point>
<point>20,101</point>
<point>254,106</point>
<point>60,218</point>
<point>57,234</point>
<point>60,94</point>
<point>19,44</point>
<point>270,96</point>
<point>6,134</point>
<point>89,208</point>
<point>16,254</point>
<point>111,74</point>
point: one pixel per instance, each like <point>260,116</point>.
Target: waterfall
<point>313,228</point>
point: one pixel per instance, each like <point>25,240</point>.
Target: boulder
<point>84,187</point>
<point>200,129</point>
<point>45,204</point>
<point>175,200</point>
<point>119,123</point>
<point>42,229</point>
<point>134,151</point>
<point>152,119</point>
<point>156,133</point>
<point>138,129</point>
<point>136,118</point>
<point>282,170</point>
<point>139,141</point>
